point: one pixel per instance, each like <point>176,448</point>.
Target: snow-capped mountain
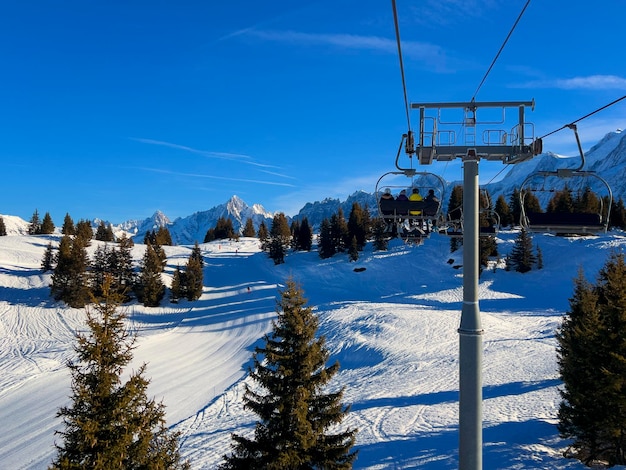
<point>188,230</point>
<point>607,159</point>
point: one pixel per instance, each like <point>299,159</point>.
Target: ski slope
<point>393,327</point>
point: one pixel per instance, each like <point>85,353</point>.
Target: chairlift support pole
<point>470,329</point>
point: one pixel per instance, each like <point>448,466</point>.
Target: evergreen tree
<point>455,203</point>
<point>339,231</point>
<point>149,288</point>
<point>295,233</point>
<point>587,203</point>
<point>353,251</point>
<point>248,229</point>
<point>522,257</point>
<point>294,413</point>
<point>305,235</point>
<point>380,236</point>
<point>48,259</point>
<point>358,225</point>
<point>592,364</point>
<point>69,280</point>
<point>109,424</point>
<point>325,246</point>
<point>3,228</point>
<point>100,267</point>
<point>618,213</point>
<point>68,225</point>
<point>561,202</point>
<point>263,234</point>
<point>487,247</point>
<point>531,202</point>
<point>47,225</point>
<point>279,238</point>
<point>163,237</point>
<point>177,289</point>
<point>193,278</point>
<point>515,205</point>
<point>121,268</point>
<point>34,226</point>
<point>104,232</point>
<point>504,212</point>
<point>84,232</point>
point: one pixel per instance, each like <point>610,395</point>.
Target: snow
<point>393,327</point>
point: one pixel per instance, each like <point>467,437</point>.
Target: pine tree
<point>163,237</point>
<point>353,251</point>
<point>84,232</point>
<point>3,228</point>
<point>339,231</point>
<point>358,225</point>
<point>263,234</point>
<point>515,205</point>
<point>561,202</point>
<point>193,278</point>
<point>109,424</point>
<point>177,288</point>
<point>380,236</point>
<point>531,202</point>
<point>69,280</point>
<point>325,246</point>
<point>592,364</point>
<point>121,268</point>
<point>47,225</point>
<point>104,233</point>
<point>149,288</point>
<point>522,257</point>
<point>618,213</point>
<point>503,211</point>
<point>294,413</point>
<point>34,226</point>
<point>48,259</point>
<point>305,236</point>
<point>248,229</point>
<point>295,233</point>
<point>68,225</point>
<point>279,238</point>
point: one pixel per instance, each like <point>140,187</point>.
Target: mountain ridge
<point>607,158</point>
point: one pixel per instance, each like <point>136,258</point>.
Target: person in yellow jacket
<point>415,196</point>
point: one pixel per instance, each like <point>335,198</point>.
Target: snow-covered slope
<point>393,327</point>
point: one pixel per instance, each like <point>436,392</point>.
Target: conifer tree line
<point>76,278</point>
<point>336,235</point>
<point>591,357</point>
<point>3,228</point>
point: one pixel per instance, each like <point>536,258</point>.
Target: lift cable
<point>584,117</point>
<point>501,48</point>
<point>406,99</point>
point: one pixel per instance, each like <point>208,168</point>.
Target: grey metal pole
<point>470,330</point>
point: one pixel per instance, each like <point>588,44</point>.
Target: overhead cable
<point>406,99</point>
<point>584,117</point>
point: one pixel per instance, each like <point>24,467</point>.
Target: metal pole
<point>470,330</point>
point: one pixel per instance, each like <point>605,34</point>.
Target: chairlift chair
<point>566,223</point>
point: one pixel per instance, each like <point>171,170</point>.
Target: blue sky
<point>114,109</point>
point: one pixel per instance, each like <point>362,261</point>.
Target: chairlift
<point>566,223</point>
<point>410,218</point>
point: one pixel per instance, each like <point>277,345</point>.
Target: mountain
<point>607,159</point>
<point>317,211</point>
<point>188,230</point>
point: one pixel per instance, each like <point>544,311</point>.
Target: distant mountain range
<point>607,159</point>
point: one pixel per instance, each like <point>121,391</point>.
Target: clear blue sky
<point>114,109</point>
